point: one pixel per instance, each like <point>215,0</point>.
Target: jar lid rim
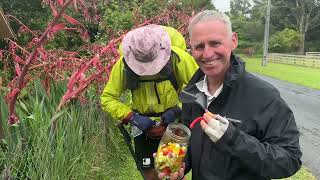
<point>181,126</point>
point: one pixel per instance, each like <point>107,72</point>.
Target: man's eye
<point>199,47</point>
<point>214,43</point>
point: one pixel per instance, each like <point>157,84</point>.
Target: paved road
<point>305,104</point>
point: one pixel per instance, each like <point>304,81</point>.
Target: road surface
<point>305,104</point>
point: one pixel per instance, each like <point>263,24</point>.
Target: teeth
<point>208,62</point>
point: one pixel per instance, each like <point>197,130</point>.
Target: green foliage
<point>312,46</point>
<point>85,144</point>
<point>36,17</point>
<point>287,40</point>
<point>198,5</point>
<point>151,8</point>
<point>69,41</point>
<point>29,12</point>
<point>247,29</point>
<point>117,17</point>
<point>120,16</point>
<point>240,7</point>
<point>245,46</point>
<point>250,33</point>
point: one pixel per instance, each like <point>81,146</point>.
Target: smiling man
<point>265,144</point>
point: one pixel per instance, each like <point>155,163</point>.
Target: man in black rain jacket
<point>264,142</point>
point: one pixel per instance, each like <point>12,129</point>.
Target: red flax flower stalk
<point>12,96</point>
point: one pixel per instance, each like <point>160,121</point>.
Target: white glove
<point>216,126</point>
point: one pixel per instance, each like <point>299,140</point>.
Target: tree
<point>303,15</point>
<point>287,41</point>
<point>199,5</point>
<point>29,12</point>
<point>249,30</point>
<point>240,7</point>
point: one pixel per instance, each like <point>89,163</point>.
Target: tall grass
<point>85,144</point>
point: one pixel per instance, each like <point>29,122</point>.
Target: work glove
<point>214,126</point>
<point>170,115</point>
<point>142,122</point>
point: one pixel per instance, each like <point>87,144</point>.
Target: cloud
<point>222,5</point>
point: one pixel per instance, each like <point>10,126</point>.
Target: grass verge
<point>309,77</point>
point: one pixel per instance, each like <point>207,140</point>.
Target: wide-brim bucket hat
<point>147,49</point>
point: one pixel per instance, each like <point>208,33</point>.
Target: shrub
<point>285,41</point>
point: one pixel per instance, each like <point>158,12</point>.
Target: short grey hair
<point>210,15</point>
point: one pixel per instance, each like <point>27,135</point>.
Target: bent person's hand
<point>142,122</point>
<point>216,126</point>
<point>170,115</point>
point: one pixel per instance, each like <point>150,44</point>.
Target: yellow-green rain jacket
<point>144,98</point>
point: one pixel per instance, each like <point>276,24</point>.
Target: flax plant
<point>85,143</point>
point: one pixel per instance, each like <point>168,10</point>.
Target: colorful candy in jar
<point>169,157</point>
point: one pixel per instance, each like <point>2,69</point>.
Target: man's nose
<point>208,51</point>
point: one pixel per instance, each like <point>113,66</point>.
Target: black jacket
<point>264,146</point>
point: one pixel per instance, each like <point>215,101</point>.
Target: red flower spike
<point>12,93</point>
<point>75,5</point>
<point>18,59</point>
<point>13,119</point>
<point>18,70</point>
<point>54,11</point>
<point>58,27</point>
<point>60,2</point>
<point>71,19</point>
<point>1,53</point>
<point>42,53</point>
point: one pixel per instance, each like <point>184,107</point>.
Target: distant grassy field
<point>309,77</point>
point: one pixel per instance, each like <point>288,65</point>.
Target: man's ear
<point>234,39</point>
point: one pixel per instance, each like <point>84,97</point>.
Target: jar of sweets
<point>172,149</point>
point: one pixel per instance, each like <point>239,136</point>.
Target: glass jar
<point>172,149</point>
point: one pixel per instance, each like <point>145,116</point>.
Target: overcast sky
<point>222,5</point>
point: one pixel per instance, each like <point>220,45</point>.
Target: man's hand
<point>170,115</point>
<point>176,175</point>
<point>142,122</point>
<point>216,126</point>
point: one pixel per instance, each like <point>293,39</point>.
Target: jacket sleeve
<point>186,118</point>
<point>275,153</point>
<point>110,98</point>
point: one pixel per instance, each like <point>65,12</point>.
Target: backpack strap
<point>173,80</point>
